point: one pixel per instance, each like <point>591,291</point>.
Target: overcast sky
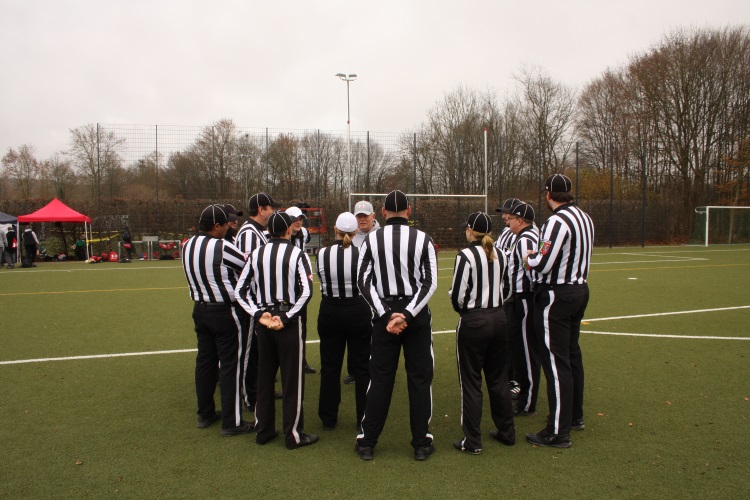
<point>66,63</point>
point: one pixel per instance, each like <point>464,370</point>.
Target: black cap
<point>507,204</point>
<point>279,222</point>
<point>232,213</point>
<point>558,183</point>
<point>262,200</point>
<point>214,214</point>
<point>523,210</point>
<point>396,201</point>
<point>479,222</point>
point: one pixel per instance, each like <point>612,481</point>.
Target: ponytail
<point>346,237</point>
<point>487,244</point>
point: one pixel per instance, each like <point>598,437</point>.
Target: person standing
<point>3,246</point>
<point>560,298</point>
<point>30,242</point>
<point>275,286</point>
<point>211,264</point>
<point>344,323</point>
<point>481,336</point>
<point>519,309</point>
<point>234,221</point>
<point>250,237</point>
<point>300,238</point>
<point>127,244</point>
<point>366,221</point>
<point>506,237</point>
<point>397,275</point>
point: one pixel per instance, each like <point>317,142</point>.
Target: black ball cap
<point>558,183</point>
<point>214,214</point>
<point>279,222</point>
<point>396,201</point>
<point>262,200</point>
<point>523,210</point>
<point>507,205</point>
<point>479,222</point>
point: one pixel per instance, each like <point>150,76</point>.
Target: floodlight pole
<point>348,78</point>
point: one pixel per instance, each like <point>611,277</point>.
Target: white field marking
<point>696,337</point>
<point>635,316</point>
<point>681,259</point>
<point>672,250</point>
<point>439,332</point>
<point>90,270</point>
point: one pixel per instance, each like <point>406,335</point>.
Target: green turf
<point>665,417</point>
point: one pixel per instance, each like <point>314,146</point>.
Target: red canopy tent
<point>57,211</point>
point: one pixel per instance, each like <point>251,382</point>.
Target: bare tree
<point>23,167</point>
<point>94,154</point>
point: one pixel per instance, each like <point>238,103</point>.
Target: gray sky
<point>272,64</point>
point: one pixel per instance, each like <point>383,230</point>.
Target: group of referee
<point>521,299</point>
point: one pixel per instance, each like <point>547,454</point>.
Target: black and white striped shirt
<point>276,273</point>
<point>301,238</point>
<point>477,281</point>
<point>566,241</point>
<point>211,267</point>
<point>397,261</point>
<point>519,277</point>
<point>250,236</point>
<point>337,270</point>
<point>505,240</point>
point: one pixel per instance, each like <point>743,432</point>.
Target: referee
<point>482,336</point>
<point>397,275</point>
<point>210,264</point>
<point>519,308</point>
<point>561,295</point>
<point>275,288</point>
<point>250,237</point>
<point>505,240</point>
<point>344,323</point>
<point>300,237</point>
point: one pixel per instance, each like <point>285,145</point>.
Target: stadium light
<point>348,78</point>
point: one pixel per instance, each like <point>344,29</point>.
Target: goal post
<point>723,225</point>
<point>417,195</point>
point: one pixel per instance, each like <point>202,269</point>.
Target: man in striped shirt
<point>211,264</point>
<point>506,237</point>
<point>519,308</point>
<point>250,237</point>
<point>300,238</point>
<point>561,295</point>
<point>397,275</point>
<point>274,288</point>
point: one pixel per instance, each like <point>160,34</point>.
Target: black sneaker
<point>304,440</point>
<point>205,423</point>
<point>544,438</point>
<point>267,440</point>
<point>459,445</point>
<point>422,453</point>
<point>364,452</point>
<point>515,389</point>
<point>496,435</point>
<point>578,425</point>
<point>309,369</point>
<point>243,428</point>
<point>349,379</point>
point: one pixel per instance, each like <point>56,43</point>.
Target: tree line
<point>671,124</point>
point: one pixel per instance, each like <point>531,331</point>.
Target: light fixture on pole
<point>347,79</point>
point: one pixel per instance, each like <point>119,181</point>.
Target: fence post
<point>611,192</point>
<point>643,211</point>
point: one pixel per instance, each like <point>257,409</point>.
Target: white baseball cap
<point>363,207</point>
<point>346,222</point>
<point>295,213</point>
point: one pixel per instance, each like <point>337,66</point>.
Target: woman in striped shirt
<point>344,322</point>
<point>482,343</point>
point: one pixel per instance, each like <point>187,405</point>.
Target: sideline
<point>440,332</point>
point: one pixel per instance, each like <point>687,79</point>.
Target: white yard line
<point>635,316</point>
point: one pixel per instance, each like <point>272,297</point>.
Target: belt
<point>483,310</point>
<point>213,305</point>
<point>396,299</point>
<point>343,299</point>
<point>281,306</point>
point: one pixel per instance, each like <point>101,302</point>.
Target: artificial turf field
<point>666,351</point>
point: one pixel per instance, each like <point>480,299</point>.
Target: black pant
<point>343,325</point>
<point>385,351</point>
<point>249,360</point>
<point>482,346</point>
<point>524,350</point>
<point>558,312</point>
<point>30,253</point>
<point>218,331</point>
<point>280,349</point>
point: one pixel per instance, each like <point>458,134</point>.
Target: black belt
<point>483,310</point>
<point>281,306</point>
<point>213,305</point>
<point>343,299</point>
<point>396,299</point>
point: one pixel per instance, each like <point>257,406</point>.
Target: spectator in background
<point>3,246</point>
<point>30,242</point>
<point>12,247</point>
<point>127,244</point>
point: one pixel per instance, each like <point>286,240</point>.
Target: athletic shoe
<point>204,423</point>
<point>496,435</point>
<point>304,440</point>
<point>309,369</point>
<point>243,428</point>
<point>578,425</point>
<point>459,445</point>
<point>349,379</point>
<point>364,452</point>
<point>273,436</point>
<point>422,453</point>
<point>515,389</point>
<point>544,438</point>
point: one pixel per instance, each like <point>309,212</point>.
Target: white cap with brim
<point>346,222</point>
<point>363,208</point>
<point>295,213</point>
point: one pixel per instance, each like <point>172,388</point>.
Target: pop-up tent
<point>57,211</point>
